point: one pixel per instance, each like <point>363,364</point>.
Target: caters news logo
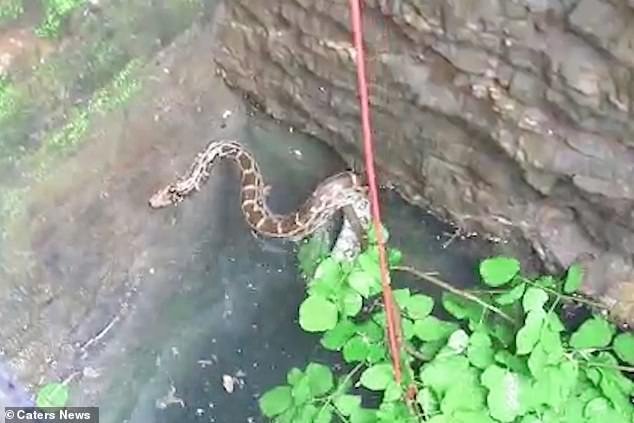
<point>39,415</point>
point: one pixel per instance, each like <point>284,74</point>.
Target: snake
<point>338,192</point>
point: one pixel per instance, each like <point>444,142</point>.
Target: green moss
<point>12,202</point>
<point>69,136</point>
<point>11,10</point>
<point>10,99</point>
<point>55,13</point>
<point>59,101</point>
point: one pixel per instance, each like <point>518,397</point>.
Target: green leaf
<point>276,401</point>
<point>328,270</point>
<point>534,299</point>
<point>324,415</point>
<point>619,400</point>
<point>408,328</point>
<point>320,378</point>
<point>593,333</point>
<point>611,372</point>
<point>401,296</point>
<point>509,393</point>
<point>529,334</point>
<point>363,415</point>
<point>52,395</point>
<point>317,314</point>
<point>394,412</point>
<point>377,377</point>
<point>512,295</point>
<point>429,349</point>
<point>369,262</point>
<point>347,404</point>
<point>351,302</point>
<point>289,416</point>
<point>554,385</point>
<point>574,278</point>
<point>305,414</point>
<point>356,349</point>
<point>419,306</point>
<point>311,253</point>
<point>433,329</point>
<point>552,345</point>
<point>607,375</point>
<point>376,353</point>
<point>463,397</point>
<point>301,392</point>
<point>498,271</point>
<point>393,392</point>
<point>573,412</point>
<point>394,257</point>
<point>361,281</point>
<point>336,338</point>
<point>624,347</point>
<point>480,351</point>
<point>372,331</point>
<point>537,361</point>
<point>481,416</point>
<point>502,331</point>
<point>428,402</point>
<point>458,341</point>
<point>327,280</point>
<point>546,282</point>
<point>294,376</point>
<point>461,308</point>
<point>554,323</point>
<point>441,373</point>
<point>597,407</point>
<point>513,362</point>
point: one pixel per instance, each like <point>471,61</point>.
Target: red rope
<point>355,16</point>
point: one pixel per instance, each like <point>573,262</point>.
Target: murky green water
<point>101,105</point>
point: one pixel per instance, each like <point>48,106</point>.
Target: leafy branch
<point>506,357</point>
<point>450,288</point>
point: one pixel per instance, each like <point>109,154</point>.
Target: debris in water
<point>169,399</point>
<point>228,383</point>
<point>205,363</point>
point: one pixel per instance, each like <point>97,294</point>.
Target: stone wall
<point>511,118</point>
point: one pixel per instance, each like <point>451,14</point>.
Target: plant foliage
<point>477,368</point>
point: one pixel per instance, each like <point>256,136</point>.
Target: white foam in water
<point>11,393</point>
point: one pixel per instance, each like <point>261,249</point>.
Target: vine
<point>506,356</point>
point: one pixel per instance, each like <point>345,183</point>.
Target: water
<point>151,309</point>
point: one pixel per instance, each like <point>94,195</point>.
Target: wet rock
<point>501,116</point>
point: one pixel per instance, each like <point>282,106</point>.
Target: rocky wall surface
<point>511,118</point>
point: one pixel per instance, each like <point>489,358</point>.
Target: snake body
<point>334,193</point>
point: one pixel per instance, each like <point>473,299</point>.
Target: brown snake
<point>338,192</point>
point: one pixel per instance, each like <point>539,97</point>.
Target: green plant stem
<point>444,285</point>
<point>345,381</point>
<point>411,351</point>
<point>628,369</point>
<point>486,291</point>
<point>564,296</point>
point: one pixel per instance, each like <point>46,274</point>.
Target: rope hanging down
<point>357,27</point>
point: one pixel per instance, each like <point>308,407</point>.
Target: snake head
<point>164,197</point>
